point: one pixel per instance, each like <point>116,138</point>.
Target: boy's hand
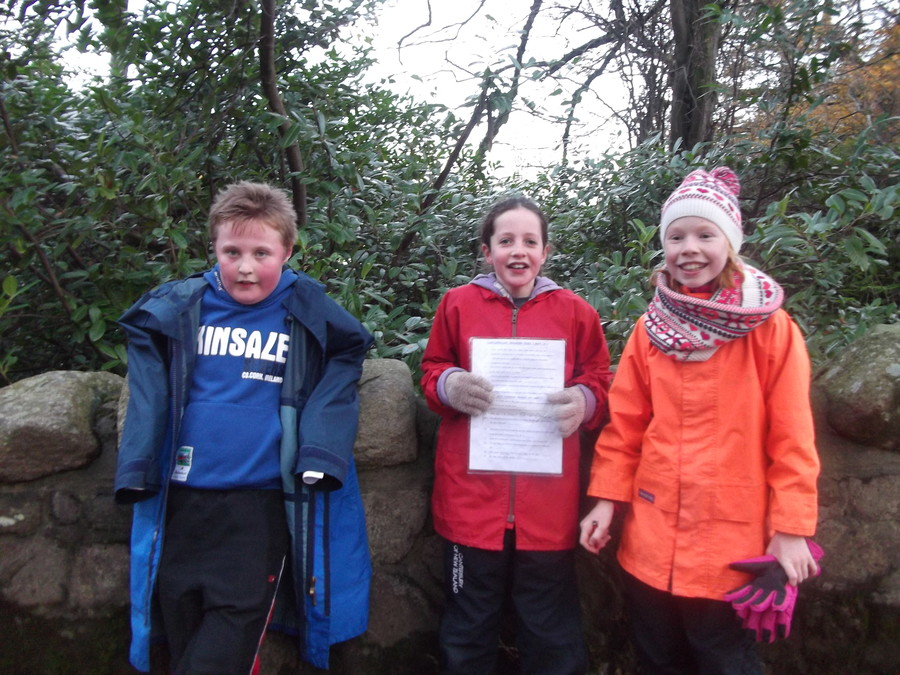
<point>468,393</point>
<point>595,526</point>
<point>568,409</point>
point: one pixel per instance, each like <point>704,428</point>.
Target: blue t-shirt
<point>231,430</point>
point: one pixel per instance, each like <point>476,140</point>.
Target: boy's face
<point>250,260</point>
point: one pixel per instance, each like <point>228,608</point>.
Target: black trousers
<point>542,587</point>
<point>222,560</point>
<point>674,635</point>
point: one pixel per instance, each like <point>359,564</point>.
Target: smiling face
<point>250,258</point>
<point>517,250</point>
<point>696,251</point>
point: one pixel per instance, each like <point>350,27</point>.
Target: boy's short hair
<point>245,202</point>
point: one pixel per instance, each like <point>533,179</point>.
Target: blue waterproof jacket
<point>325,597</point>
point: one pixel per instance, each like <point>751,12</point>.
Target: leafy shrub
<point>105,192</point>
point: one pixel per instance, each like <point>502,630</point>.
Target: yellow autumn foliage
<point>862,92</point>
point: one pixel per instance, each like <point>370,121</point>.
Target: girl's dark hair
<point>487,225</point>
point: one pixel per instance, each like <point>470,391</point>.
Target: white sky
<point>488,39</point>
<point>470,44</point>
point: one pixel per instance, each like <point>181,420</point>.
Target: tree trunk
<point>693,73</point>
<point>276,104</point>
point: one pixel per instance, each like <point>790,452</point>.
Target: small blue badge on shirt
<point>649,496</point>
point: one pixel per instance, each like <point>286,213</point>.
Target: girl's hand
<point>568,408</point>
<point>468,393</point>
<point>792,553</point>
<point>595,526</point>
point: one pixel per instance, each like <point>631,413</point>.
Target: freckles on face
<point>696,251</point>
<point>250,258</point>
<point>517,250</point>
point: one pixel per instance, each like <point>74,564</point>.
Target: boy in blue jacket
<point>237,452</point>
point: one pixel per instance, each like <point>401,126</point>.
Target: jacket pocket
<point>651,489</point>
<point>740,503</point>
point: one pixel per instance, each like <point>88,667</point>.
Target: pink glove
<point>766,604</point>
<point>773,622</point>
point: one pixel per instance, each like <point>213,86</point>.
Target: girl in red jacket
<point>710,442</point>
<point>511,534</point>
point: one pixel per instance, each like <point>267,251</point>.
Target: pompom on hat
<point>711,195</point>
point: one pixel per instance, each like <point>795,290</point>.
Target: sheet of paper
<point>517,434</point>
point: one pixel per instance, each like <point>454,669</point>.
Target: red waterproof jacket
<point>475,509</point>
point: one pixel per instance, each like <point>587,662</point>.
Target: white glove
<point>568,409</point>
<point>468,393</point>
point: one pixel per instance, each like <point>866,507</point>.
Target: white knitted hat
<point>711,195</point>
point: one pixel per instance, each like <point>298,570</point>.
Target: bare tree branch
<point>453,37</point>
<point>457,149</point>
<point>626,33</point>
<point>567,58</point>
<point>576,99</point>
<point>494,125</point>
<point>416,29</point>
<point>435,188</point>
<point>7,127</point>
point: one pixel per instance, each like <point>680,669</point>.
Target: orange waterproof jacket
<point>712,456</point>
<point>476,509</point>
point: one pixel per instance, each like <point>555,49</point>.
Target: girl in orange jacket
<point>710,442</point>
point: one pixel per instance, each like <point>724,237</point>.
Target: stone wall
<point>64,543</point>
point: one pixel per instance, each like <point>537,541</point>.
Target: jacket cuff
<point>313,458</point>
<point>441,392</point>
<point>131,482</point>
<point>793,513</point>
<point>590,403</point>
<point>610,484</point>
<point>127,495</point>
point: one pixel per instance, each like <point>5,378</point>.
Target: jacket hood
<point>491,283</point>
<point>160,308</point>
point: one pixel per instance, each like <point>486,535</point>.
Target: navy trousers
<point>222,561</point>
<point>542,588</point>
<point>674,635</point>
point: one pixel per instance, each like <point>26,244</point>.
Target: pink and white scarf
<point>690,329</point>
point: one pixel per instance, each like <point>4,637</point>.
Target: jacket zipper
<point>175,367</point>
<point>326,552</point>
<point>311,546</point>
<point>511,516</point>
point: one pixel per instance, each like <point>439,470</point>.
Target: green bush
<point>105,192</point>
